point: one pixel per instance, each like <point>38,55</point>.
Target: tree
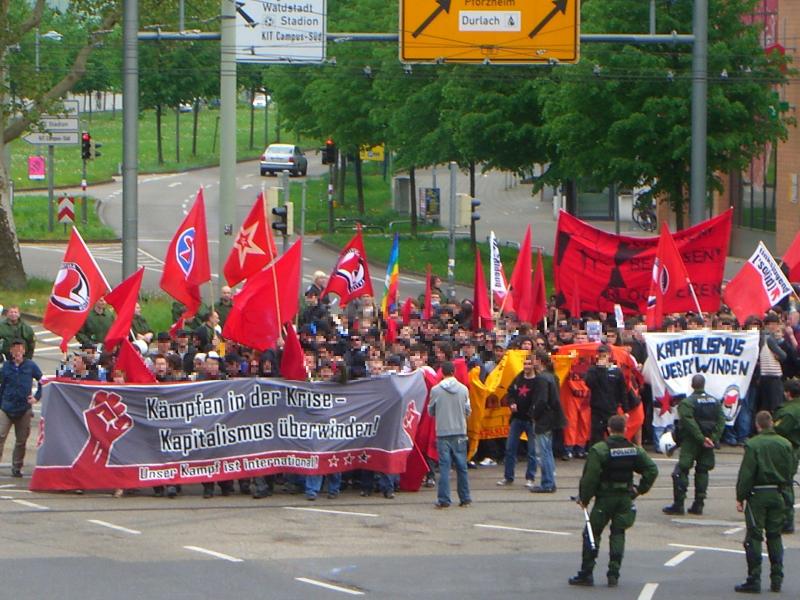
<point>18,20</point>
<point>623,114</point>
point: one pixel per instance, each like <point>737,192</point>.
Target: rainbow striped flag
<point>392,275</point>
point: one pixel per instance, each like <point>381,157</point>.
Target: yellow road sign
<point>497,31</point>
<point>374,153</point>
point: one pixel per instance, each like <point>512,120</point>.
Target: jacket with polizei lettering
<point>595,480</point>
<point>696,409</point>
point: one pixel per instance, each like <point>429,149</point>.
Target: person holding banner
<point>608,478</point>
<point>701,424</point>
<point>764,474</point>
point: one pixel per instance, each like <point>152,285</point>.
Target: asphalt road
<point>508,544</point>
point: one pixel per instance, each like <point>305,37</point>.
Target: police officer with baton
<point>608,478</point>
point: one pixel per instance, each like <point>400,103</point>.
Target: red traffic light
<point>86,137</point>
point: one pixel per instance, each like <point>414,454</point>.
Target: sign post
<point>280,32</point>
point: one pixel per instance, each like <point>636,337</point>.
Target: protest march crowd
<point>642,345</point>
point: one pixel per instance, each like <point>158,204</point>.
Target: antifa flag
<point>615,269</point>
<point>105,435</point>
<point>350,277</point>
<point>669,282</point>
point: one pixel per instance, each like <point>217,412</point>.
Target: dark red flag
<point>123,298</point>
<point>78,285</point>
<point>131,363</point>
<point>539,292</point>
<point>405,311</point>
<point>521,285</point>
<point>669,283</point>
<point>350,277</point>
<point>269,298</point>
<point>254,247</point>
<point>187,266</point>
<point>293,365</point>
<point>481,309</point>
<point>791,259</point>
<point>391,329</point>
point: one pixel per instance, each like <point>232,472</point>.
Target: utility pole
<point>130,136</point>
<point>451,254</point>
<point>697,190</point>
<point>227,141</point>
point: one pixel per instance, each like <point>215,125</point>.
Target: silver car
<point>280,157</point>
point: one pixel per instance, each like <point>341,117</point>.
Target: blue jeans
<point>314,484</point>
<point>452,448</point>
<point>515,429</point>
<point>544,448</point>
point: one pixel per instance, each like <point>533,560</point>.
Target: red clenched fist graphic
<point>107,420</point>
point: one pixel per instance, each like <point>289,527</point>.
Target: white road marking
<point>115,527</point>
<point>647,591</point>
<point>732,531</point>
<point>330,586</point>
<point>9,490</point>
<point>332,512</point>
<point>246,186</point>
<point>706,522</point>
<point>31,504</point>
<point>214,554</point>
<point>670,460</point>
<point>505,528</point>
<point>175,184</point>
<point>8,485</point>
<point>797,505</point>
<point>711,548</point>
<point>50,340</point>
<point>679,558</point>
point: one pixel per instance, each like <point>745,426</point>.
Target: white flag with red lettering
<point>758,286</point>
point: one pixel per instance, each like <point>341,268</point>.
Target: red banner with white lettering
<point>616,269</point>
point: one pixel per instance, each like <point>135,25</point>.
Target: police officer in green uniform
<point>765,473</point>
<point>608,478</point>
<point>97,324</point>
<point>701,425</point>
<point>787,424</point>
<point>14,328</point>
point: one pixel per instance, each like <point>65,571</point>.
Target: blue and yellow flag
<point>392,275</point>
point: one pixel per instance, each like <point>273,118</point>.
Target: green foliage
<point>31,219</point>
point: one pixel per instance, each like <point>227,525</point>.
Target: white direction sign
<point>54,123</point>
<point>280,31</point>
<point>52,139</point>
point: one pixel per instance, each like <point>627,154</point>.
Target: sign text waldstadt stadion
<point>278,31</point>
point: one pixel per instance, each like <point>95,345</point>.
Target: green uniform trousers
<point>619,510</point>
<point>702,459</point>
<point>764,515</point>
<point>789,491</point>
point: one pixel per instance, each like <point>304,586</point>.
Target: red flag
<point>131,363</point>
<point>187,265</point>
<point>759,285</point>
<point>350,277</point>
<point>123,298</point>
<point>792,259</point>
<point>481,310</point>
<point>260,308</point>
<point>254,247</point>
<point>391,329</point>
<point>78,285</point>
<point>293,364</point>
<point>521,287</point>
<point>539,309</point>
<point>405,311</point>
<point>670,281</point>
<point>427,308</point>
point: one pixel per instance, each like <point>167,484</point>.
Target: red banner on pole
<point>615,269</point>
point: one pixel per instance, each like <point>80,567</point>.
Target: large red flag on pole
<point>123,298</point>
<point>792,259</point>
<point>78,285</point>
<point>293,364</point>
<point>521,291</point>
<point>260,309</point>
<point>670,281</point>
<point>254,247</point>
<point>350,277</point>
<point>131,363</point>
<point>481,309</point>
<point>759,285</point>
<point>187,265</point>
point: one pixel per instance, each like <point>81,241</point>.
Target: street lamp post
<point>50,35</point>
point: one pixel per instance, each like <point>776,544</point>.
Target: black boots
<point>582,578</point>
<point>750,586</point>
<point>676,508</point>
<point>696,508</point>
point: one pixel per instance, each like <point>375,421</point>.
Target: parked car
<point>185,107</point>
<point>261,101</point>
<point>280,157</point>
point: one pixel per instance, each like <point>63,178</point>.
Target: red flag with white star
<point>254,247</point>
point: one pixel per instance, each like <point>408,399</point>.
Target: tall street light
<point>50,35</point>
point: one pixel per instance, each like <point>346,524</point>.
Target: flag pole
<point>267,225</point>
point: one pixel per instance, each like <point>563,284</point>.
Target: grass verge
<point>31,220</point>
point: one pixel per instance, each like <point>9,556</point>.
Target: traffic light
<point>283,220</point>
<point>329,153</point>
<point>86,146</point>
<point>93,153</point>
<point>474,203</point>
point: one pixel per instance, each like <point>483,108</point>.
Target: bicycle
<point>643,212</point>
